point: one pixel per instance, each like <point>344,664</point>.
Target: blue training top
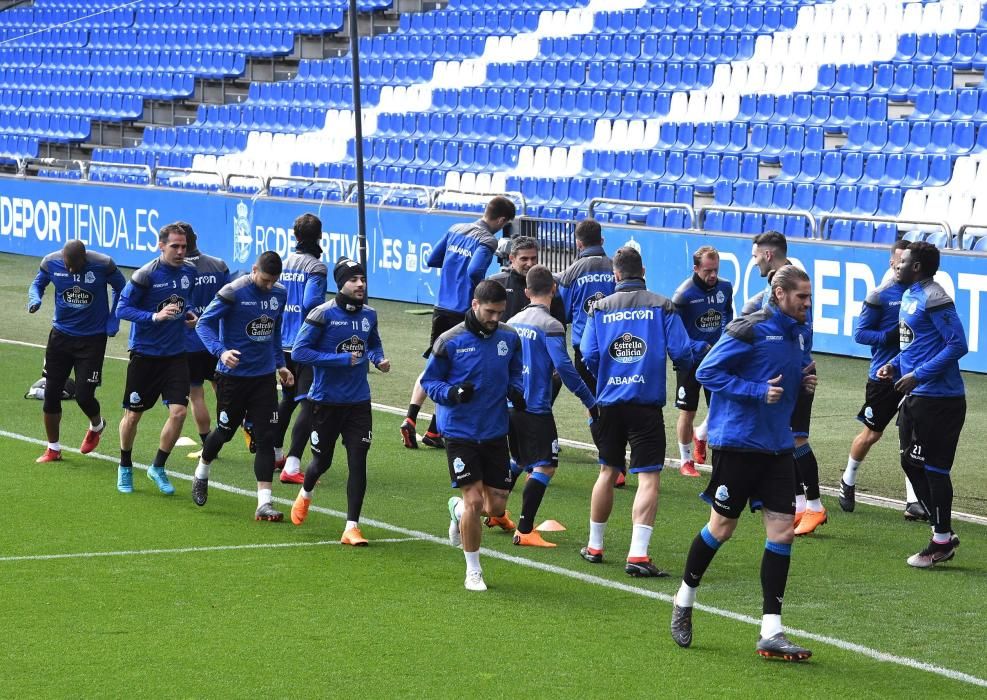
<point>82,306</point>
<point>151,288</point>
<point>304,278</point>
<point>211,275</point>
<point>464,254</point>
<point>705,310</point>
<point>585,282</point>
<point>877,325</point>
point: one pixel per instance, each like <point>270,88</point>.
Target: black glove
<point>516,397</point>
<point>34,307</point>
<point>462,393</point>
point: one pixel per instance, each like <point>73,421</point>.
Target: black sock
<point>202,437</point>
<point>534,492</point>
<point>704,548</point>
<point>799,487</point>
<point>808,470</point>
<point>356,482</point>
<point>126,460</point>
<point>160,458</point>
<point>413,410</point>
<point>774,575</point>
<point>432,428</point>
<point>941,495</point>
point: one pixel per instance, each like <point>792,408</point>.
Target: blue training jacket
<point>543,350</point>
<point>304,278</point>
<point>211,275</point>
<point>754,349</point>
<point>492,363</point>
<point>625,341</point>
<point>246,318</point>
<point>327,340</point>
<point>82,306</point>
<point>877,325</point>
<point>932,340</point>
<point>464,254</point>
<point>585,282</point>
<point>705,310</point>
<point>150,289</point>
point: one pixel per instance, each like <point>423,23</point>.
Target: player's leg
<point>326,426</point>
<point>201,368</point>
<point>646,436</point>
<point>357,438</point>
<point>498,478</point>
<point>285,408</point>
<point>727,492</point>
<point>301,431</point>
<point>610,435</point>
<point>231,407</point>
<point>89,375</point>
<point>536,435</point>
<point>141,391</point>
<point>466,464</point>
<point>262,411</point>
<point>174,393</point>
<point>807,468</point>
<point>58,366</point>
<point>687,401</point>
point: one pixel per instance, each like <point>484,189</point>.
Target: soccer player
<point>242,327</point>
<point>211,275</point>
<point>770,253</point>
<point>928,374</point>
<point>878,328</point>
<point>84,318</point>
<point>533,434</point>
<point>304,277</point>
<point>624,343</point>
<point>156,301</point>
<point>463,254</point>
<point>474,368</point>
<point>755,373</point>
<point>339,339</point>
<point>705,303</point>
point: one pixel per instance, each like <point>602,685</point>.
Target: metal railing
<point>828,218</point>
<point>556,240</point>
<point>813,226</point>
<point>517,197</point>
<point>688,209</point>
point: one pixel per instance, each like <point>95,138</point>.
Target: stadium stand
<point>783,114</point>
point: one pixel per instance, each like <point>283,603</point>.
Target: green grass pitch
<point>103,594</point>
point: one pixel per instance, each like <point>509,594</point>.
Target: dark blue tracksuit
<point>82,305</point>
<point>464,254</point>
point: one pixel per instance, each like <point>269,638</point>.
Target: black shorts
<point>687,390</point>
<point>640,426</point>
<point>80,353</point>
<point>534,439</point>
<point>487,461</point>
<point>150,377</point>
<point>929,430</point>
<point>764,480</point>
<point>303,375</point>
<point>354,422</point>
<point>442,321</point>
<point>881,403</point>
<point>802,415</point>
<point>201,367</point>
<point>246,397</point>
<point>588,378</point>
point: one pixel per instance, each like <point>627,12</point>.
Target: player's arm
<point>128,307</point>
<point>434,377</point>
<point>566,295</point>
<point>589,347</point>
<point>375,348</point>
<point>753,304</point>
<point>949,326</point>
<point>37,290</point>
<point>868,330</point>
<point>438,254</point>
<point>477,269</point>
<point>567,371</point>
<point>207,327</point>
<point>728,311</point>
<point>276,345</point>
<point>309,340</point>
<point>680,347</point>
<point>315,292</point>
<point>117,282</point>
<point>515,370</point>
<point>718,370</point>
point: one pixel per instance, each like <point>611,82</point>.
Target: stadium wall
<point>36,217</point>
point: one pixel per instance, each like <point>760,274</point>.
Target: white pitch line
<point>186,550</point>
<point>879,501</point>
<point>419,535</point>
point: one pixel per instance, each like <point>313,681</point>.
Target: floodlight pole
<point>361,211</point>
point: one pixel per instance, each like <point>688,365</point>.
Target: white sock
<point>686,597</point>
<point>770,625</point>
<point>278,454</point>
<point>459,509</point>
<point>596,531</point>
<point>910,496</point>
<point>350,524</point>
<point>814,504</point>
<point>292,465</point>
<point>55,446</point>
<point>98,428</point>
<point>685,451</point>
<point>850,475</point>
<point>799,503</point>
<point>202,470</point>
<point>307,495</point>
<point>640,539</point>
<point>942,537</point>
<point>472,561</point>
<point>702,432</point>
<point>263,496</point>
